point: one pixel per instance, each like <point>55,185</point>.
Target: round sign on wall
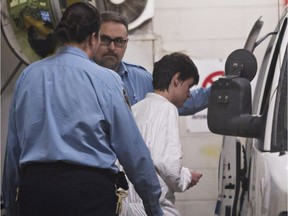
<point>212,77</point>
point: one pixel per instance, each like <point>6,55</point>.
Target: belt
<point>35,166</point>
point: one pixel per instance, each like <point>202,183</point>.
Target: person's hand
<point>195,177</point>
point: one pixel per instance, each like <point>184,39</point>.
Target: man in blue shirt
<point>137,80</point>
<point>68,124</point>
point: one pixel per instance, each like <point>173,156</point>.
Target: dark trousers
<point>66,190</point>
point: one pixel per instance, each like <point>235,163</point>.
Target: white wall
<point>209,28</point>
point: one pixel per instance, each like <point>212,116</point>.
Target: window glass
<point>280,116</point>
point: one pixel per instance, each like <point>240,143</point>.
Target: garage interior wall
<point>203,29</point>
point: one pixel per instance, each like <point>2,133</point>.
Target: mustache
<point>111,54</point>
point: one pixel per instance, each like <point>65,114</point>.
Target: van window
<point>273,65</point>
<point>279,135</point>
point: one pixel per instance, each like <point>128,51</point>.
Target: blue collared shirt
<point>68,108</point>
<point>138,82</point>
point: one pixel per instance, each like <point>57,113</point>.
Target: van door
<point>232,181</point>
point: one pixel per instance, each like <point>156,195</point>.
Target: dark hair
<point>169,65</point>
<point>78,22</point>
<point>108,16</point>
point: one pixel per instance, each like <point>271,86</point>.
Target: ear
<point>94,43</point>
<point>176,79</point>
<point>95,39</point>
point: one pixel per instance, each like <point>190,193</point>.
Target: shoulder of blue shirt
<point>128,64</point>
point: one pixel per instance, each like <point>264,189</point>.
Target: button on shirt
<point>138,82</point>
<point>68,108</point>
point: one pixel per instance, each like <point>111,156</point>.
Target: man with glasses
<point>137,80</point>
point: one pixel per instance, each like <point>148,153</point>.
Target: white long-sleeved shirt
<point>157,119</point>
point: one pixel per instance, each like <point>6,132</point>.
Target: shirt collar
<point>73,50</point>
<point>122,70</point>
<point>158,97</point>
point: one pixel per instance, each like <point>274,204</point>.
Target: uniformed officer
<point>68,124</point>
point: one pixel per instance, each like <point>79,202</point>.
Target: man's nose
<point>111,46</point>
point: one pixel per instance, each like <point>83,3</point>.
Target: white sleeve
<point>168,159</point>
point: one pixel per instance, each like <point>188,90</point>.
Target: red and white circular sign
<point>212,78</point>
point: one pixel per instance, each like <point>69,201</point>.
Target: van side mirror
<point>230,103</point>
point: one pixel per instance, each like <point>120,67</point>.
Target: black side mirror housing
<point>230,103</point>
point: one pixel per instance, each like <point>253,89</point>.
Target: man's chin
<point>110,63</point>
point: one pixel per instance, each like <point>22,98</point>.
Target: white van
<point>253,168</point>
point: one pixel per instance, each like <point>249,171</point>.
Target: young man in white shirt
<point>157,118</point>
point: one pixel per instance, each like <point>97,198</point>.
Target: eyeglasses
<point>118,42</point>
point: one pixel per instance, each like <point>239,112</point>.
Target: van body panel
<point>263,186</point>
